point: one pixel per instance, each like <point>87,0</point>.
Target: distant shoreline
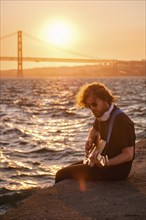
<point>73,77</point>
<point>128,69</point>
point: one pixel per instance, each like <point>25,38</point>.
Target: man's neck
<point>106,114</point>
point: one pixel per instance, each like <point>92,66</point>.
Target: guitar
<point>99,147</point>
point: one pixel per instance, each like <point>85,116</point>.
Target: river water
<point>42,130</point>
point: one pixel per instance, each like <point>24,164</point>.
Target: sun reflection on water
<point>54,169</point>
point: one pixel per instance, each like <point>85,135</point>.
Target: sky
<point>103,29</point>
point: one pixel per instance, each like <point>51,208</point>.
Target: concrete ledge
<point>74,200</point>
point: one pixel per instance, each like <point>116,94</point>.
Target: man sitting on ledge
<point>114,129</point>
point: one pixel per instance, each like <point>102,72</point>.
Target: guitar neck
<point>101,146</point>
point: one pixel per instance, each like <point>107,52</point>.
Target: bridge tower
<point>20,67</point>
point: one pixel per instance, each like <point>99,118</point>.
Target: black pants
<point>81,171</point>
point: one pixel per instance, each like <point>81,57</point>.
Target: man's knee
<point>57,177</point>
<point>60,175</point>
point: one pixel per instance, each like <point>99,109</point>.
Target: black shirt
<point>122,135</point>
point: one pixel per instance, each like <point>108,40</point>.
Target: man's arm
<point>125,156</point>
<point>90,140</point>
<point>92,133</point>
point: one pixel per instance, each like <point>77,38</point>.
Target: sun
<point>59,33</point>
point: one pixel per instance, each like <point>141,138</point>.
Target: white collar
<point>106,114</point>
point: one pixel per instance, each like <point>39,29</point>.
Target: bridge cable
<point>68,51</point>
<point>6,36</point>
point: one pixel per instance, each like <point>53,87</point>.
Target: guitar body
<point>99,147</point>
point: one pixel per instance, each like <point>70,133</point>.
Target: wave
<point>17,131</point>
<point>4,143</point>
<point>65,114</point>
<point>43,150</point>
<point>26,102</point>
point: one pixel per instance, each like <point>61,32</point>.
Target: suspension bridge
<point>20,58</point>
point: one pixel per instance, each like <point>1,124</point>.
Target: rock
<point>90,200</point>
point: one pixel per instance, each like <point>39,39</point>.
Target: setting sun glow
<point>59,34</point>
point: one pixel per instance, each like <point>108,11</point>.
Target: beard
<point>98,114</point>
<point>105,115</point>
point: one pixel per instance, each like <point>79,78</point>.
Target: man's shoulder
<point>123,118</point>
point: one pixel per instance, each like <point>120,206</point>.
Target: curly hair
<point>97,90</point>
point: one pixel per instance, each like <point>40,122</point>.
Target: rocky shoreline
<point>91,200</point>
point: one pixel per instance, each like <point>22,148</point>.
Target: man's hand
<point>88,145</point>
<point>98,159</point>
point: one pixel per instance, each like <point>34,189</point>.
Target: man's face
<point>97,106</point>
